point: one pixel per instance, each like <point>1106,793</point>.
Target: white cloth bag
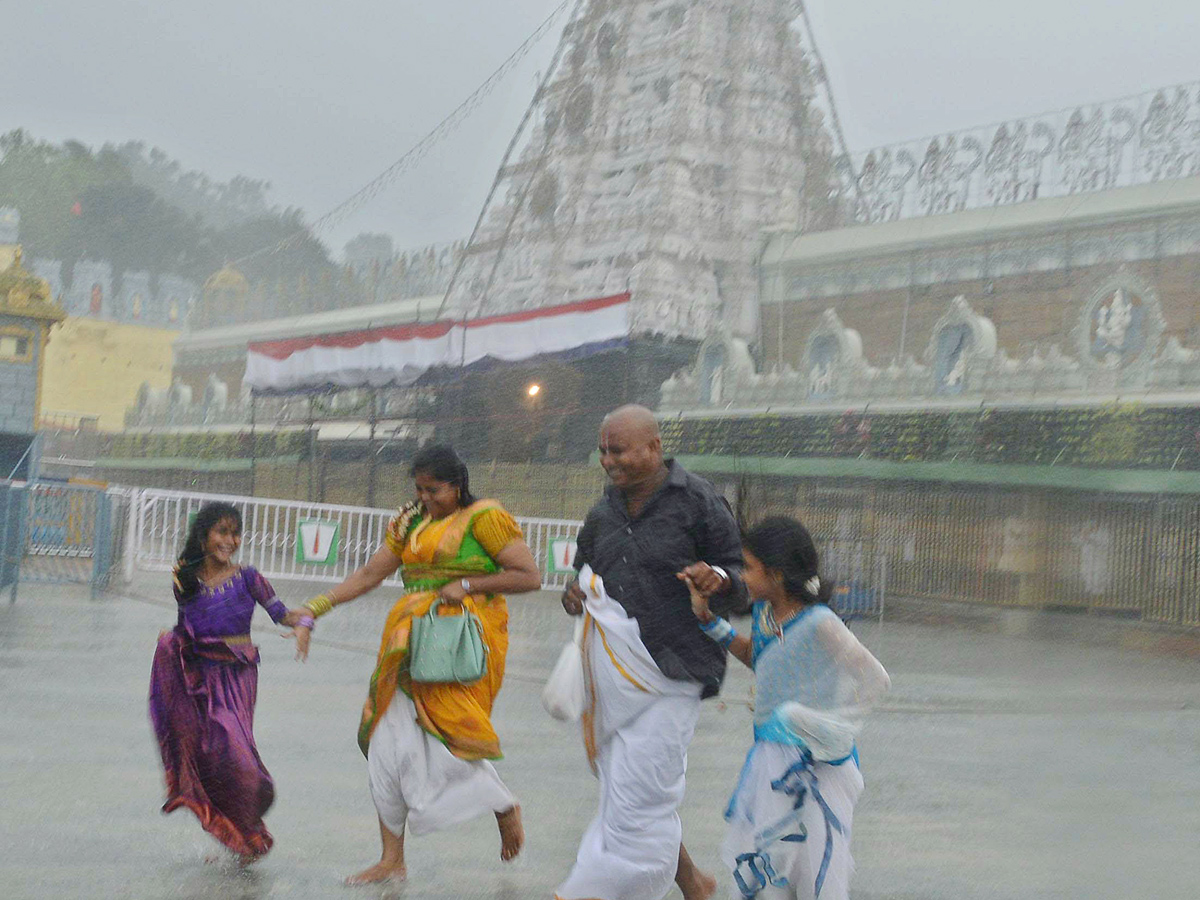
<point>563,694</point>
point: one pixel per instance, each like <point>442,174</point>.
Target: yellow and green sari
<point>433,553</point>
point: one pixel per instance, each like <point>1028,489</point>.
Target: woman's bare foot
<point>512,833</point>
<point>379,872</point>
<point>391,863</point>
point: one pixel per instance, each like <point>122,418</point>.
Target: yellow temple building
<point>94,369</point>
<point>88,370</point>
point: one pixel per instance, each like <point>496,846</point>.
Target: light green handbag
<point>447,649</point>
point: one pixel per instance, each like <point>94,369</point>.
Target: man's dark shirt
<point>686,521</point>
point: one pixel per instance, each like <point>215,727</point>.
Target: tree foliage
<point>218,204</point>
<point>370,246</point>
<point>138,209</point>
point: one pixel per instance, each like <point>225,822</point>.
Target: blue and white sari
<point>790,815</point>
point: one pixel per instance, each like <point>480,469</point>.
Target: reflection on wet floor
<point>999,768</point>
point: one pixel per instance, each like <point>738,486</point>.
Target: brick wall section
<point>1029,310</point>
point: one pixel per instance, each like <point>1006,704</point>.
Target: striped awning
<point>398,355</point>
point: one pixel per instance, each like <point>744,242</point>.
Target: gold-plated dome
<point>23,293</point>
<point>226,279</point>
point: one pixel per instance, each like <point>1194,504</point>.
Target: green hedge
<point>197,445</point>
<point>1114,436</point>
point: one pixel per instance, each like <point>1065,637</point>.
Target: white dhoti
<point>417,782</point>
<point>637,725</point>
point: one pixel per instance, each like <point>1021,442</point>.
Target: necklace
<point>776,625</point>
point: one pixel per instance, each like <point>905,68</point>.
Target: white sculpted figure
<point>1113,321</point>
<point>820,380</point>
<point>955,376</point>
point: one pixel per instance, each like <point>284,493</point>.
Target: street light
<point>533,390</point>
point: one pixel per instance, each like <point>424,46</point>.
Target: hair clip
<point>813,585</point>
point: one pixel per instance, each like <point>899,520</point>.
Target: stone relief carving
<point>663,183</point>
<point>1013,167</point>
<point>963,343</point>
<point>723,368</point>
<point>1117,341</point>
<point>1120,328</point>
<point>1169,135</point>
<point>1150,138</point>
<point>832,356</point>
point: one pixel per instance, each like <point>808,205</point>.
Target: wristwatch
<point>466,585</point>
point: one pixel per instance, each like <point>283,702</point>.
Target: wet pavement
<point>1000,767</point>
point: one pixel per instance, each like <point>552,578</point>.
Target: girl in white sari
<point>790,815</point>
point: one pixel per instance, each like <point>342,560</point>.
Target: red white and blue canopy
<point>400,354</point>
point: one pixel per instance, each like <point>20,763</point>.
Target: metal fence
<point>57,533</point>
<point>158,521</point>
<point>271,535</point>
<point>1134,556</point>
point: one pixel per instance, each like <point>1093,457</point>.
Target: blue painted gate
<point>55,533</point>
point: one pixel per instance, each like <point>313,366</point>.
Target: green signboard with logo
<point>317,542</point>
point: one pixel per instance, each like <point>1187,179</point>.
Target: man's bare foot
<point>512,833</point>
<point>706,887</point>
<point>378,873</point>
<point>701,887</point>
<point>693,883</point>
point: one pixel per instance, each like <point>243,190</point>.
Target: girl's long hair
<point>187,569</point>
<point>783,544</point>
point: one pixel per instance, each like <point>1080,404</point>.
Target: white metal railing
<point>158,522</point>
<point>539,534</point>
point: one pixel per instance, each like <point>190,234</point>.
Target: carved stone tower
<point>666,136</point>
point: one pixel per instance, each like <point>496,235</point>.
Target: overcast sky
<point>318,97</point>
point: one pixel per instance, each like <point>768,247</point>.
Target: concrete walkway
<point>1001,767</point>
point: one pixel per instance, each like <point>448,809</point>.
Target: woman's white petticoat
<point>417,782</point>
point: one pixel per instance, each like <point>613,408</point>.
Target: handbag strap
<point>433,607</point>
<point>468,613</point>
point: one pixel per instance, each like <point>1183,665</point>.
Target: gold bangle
<point>319,605</point>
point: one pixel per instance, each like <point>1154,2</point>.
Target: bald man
<point>646,662</point>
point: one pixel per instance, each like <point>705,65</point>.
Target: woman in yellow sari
<point>429,746</point>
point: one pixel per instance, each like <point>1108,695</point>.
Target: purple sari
<point>202,696</point>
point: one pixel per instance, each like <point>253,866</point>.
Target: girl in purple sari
<point>204,684</point>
